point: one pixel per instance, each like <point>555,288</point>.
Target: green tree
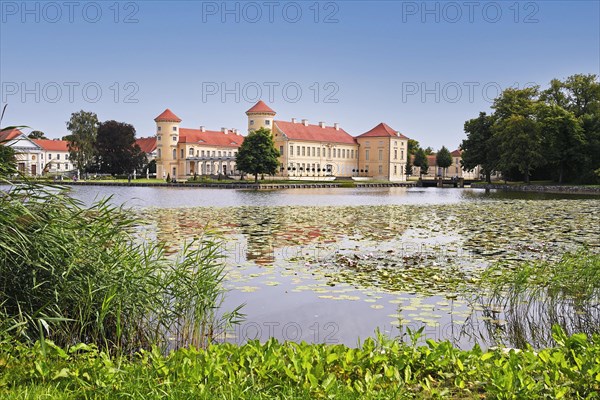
<point>37,135</point>
<point>82,140</point>
<point>563,138</point>
<point>517,130</point>
<point>480,147</point>
<point>421,162</point>
<point>520,144</point>
<point>412,147</point>
<point>257,154</point>
<point>516,102</point>
<point>117,151</point>
<point>583,94</point>
<point>8,161</point>
<point>443,159</point>
<point>428,150</point>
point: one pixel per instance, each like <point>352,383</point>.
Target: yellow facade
<point>383,158</point>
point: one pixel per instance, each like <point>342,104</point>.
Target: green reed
<point>76,274</point>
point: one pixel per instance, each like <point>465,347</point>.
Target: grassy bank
<point>379,369</point>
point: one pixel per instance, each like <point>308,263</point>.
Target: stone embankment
<point>241,185</point>
<point>543,188</point>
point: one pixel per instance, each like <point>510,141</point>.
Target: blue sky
<point>422,67</point>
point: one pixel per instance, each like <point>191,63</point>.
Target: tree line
<point>103,147</point>
<point>541,134</point>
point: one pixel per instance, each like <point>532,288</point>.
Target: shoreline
<point>259,186</point>
<point>557,189</point>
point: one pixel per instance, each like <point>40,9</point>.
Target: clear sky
<point>422,67</point>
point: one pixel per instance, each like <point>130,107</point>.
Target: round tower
<point>260,116</point>
<point>167,138</point>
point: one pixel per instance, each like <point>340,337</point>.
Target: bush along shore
<point>89,309</point>
<point>379,369</point>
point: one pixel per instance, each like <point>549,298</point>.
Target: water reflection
<point>165,197</point>
<point>356,268</point>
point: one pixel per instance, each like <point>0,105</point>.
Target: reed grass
<point>76,274</point>
<point>534,296</point>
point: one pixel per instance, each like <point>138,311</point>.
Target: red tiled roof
<point>456,153</point>
<point>261,107</point>
<point>147,144</point>
<point>167,116</point>
<point>383,130</point>
<point>212,138</point>
<point>7,134</point>
<point>299,131</point>
<point>52,145</point>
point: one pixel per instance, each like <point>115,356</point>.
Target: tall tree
<point>412,147</point>
<point>562,138</point>
<point>480,147</point>
<point>37,135</point>
<point>117,151</point>
<point>443,159</point>
<point>428,150</point>
<point>583,94</point>
<point>84,128</point>
<point>421,162</point>
<point>518,132</point>
<point>520,144</point>
<point>257,154</point>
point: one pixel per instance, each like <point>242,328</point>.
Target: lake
<point>334,265</point>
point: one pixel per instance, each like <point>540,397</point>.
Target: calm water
<point>202,197</point>
<point>290,252</point>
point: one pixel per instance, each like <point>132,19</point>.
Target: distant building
<point>37,157</point>
<point>383,153</point>
<point>453,171</point>
<point>306,150</point>
<point>183,152</point>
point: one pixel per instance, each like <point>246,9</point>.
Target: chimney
<point>305,122</point>
<point>202,129</point>
<point>224,130</point>
<point>293,120</point>
<point>322,124</point>
<point>336,126</point>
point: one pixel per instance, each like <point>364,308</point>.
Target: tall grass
<point>76,274</point>
<point>533,297</point>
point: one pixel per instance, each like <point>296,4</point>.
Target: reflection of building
<point>305,150</point>
<point>37,156</point>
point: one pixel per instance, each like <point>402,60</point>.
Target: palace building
<point>37,157</point>
<point>306,150</point>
